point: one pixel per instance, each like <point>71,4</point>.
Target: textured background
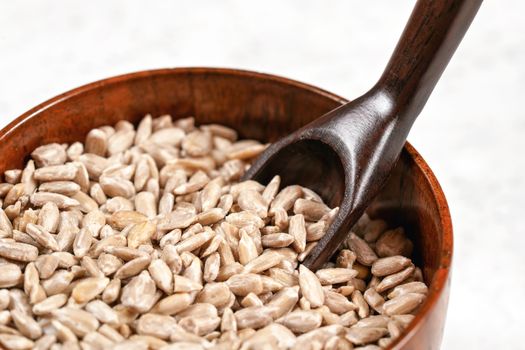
<point>471,131</point>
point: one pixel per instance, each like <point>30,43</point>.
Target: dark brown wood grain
<point>263,107</point>
<point>347,154</point>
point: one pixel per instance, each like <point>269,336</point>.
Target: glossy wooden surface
<point>347,154</point>
<point>263,107</point>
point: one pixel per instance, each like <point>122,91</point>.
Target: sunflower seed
<point>120,141</point>
<point>173,304</point>
<point>82,242</point>
<point>394,328</point>
<point>120,219</point>
<point>253,317</point>
<point>32,285</point>
<point>141,233</point>
<point>42,236</point>
<point>89,288</point>
<point>394,242</point>
<point>112,291</point>
<point>4,299</point>
<point>335,275</point>
<point>96,142</point>
<point>168,136</point>
<point>103,312</point>
<point>338,303</point>
<point>301,321</point>
<point>222,131</point>
<point>96,340</point>
<point>363,309</point>
<point>298,230</point>
<point>56,173</point>
<point>374,229</point>
<point>160,326</point>
<point>410,287</point>
<point>162,275</point>
<point>263,262</point>
<point>312,210</point>
<point>247,248</point>
<point>79,321</point>
<point>133,267</point>
<point>10,275</point>
<point>26,325</point>
<point>378,321</point>
<point>389,265</point>
<point>286,198</point>
<point>197,143</point>
<point>38,199</point>
<point>212,267</point>
<point>244,218</point>
<point>49,217</point>
<point>244,284</point>
<point>393,280</point>
<point>15,342</point>
<point>252,200</point>
<point>216,293</point>
<point>50,154</point>
<point>365,254</point>
<point>139,292</point>
<point>176,219</point>
<point>58,282</point>
<point>18,251</point>
<point>110,333</point>
<point>45,342</point>
<point>247,152</point>
<point>117,187</point>
<point>144,130</point>
<point>403,304</point>
<point>348,319</point>
<point>311,287</point>
<point>346,259</point>
<point>50,304</point>
<point>374,299</point>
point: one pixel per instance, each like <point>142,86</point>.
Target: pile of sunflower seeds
<point>145,239</point>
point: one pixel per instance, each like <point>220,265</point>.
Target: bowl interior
<point>258,106</point>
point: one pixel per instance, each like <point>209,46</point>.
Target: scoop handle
<point>372,130</point>
<point>369,133</point>
<point>431,36</point>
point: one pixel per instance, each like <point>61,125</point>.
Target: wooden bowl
<point>263,107</point>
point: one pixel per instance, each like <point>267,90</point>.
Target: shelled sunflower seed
<point>146,238</point>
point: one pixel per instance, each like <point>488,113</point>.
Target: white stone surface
<point>471,131</point>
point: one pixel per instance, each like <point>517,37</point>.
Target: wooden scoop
<point>347,154</point>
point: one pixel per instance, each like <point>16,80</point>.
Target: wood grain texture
<point>263,107</point>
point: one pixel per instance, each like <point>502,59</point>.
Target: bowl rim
<point>441,277</point>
